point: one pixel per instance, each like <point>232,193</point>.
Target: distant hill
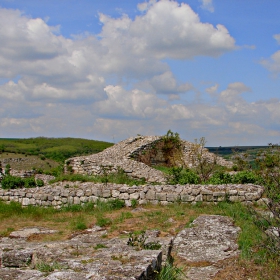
<point>58,149</point>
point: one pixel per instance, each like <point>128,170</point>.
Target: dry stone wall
<point>122,156</point>
<point>64,193</point>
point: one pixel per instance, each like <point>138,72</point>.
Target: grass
<point>119,177</point>
<point>169,219</point>
<point>28,162</point>
<point>48,267</point>
<point>57,149</point>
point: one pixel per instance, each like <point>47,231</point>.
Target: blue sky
<point>113,69</point>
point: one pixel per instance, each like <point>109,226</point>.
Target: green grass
<point>58,149</point>
<point>118,178</point>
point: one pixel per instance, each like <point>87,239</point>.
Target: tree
<point>204,164</point>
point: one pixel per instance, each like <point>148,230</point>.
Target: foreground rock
<point>90,255</point>
<point>210,239</point>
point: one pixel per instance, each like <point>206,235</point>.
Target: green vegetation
<point>171,272</point>
<point>119,177</point>
<point>48,267</point>
<point>12,182</point>
<point>58,149</point>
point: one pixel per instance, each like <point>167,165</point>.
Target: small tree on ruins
<point>204,165</point>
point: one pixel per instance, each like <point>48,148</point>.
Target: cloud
<point>167,84</point>
<point>118,82</point>
<point>207,5</point>
<point>166,30</point>
<point>277,38</point>
<point>212,90</point>
<point>273,63</point>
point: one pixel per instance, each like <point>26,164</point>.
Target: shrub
<point>220,177</point>
<point>39,183</point>
<point>246,177</point>
<point>180,175</point>
<point>29,182</point>
<point>11,182</point>
<point>7,169</point>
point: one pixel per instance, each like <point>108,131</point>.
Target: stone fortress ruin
<point>137,156</point>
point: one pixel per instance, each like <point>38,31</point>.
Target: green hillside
<point>58,149</point>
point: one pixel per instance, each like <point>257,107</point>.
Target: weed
<point>79,223</point>
<point>170,272</point>
<point>102,221</point>
<point>133,203</point>
<point>48,267</point>
<point>100,246</point>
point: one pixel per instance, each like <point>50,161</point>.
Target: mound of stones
<point>124,154</point>
<point>91,255</point>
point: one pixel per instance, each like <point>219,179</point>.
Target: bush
<point>11,182</point>
<point>29,182</point>
<point>39,183</point>
<point>246,177</point>
<point>180,175</point>
<point>219,178</point>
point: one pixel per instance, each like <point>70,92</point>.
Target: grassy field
<point>57,149</point>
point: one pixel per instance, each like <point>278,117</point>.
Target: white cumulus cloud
<point>273,63</point>
<point>207,5</point>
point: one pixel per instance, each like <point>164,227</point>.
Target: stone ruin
<point>137,156</point>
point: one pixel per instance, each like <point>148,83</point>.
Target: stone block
<point>187,198</point>
<point>208,197</point>
<point>252,196</point>
<point>80,193</point>
<point>127,203</point>
<point>76,200</point>
<point>206,192</point>
<point>164,203</point>
<point>232,192</point>
<point>84,199</point>
<point>142,202</point>
<point>199,198</point>
<point>70,200</point>
<point>134,196</point>
<point>142,195</point>
<point>88,192</point>
<point>106,193</point>
<point>115,193</point>
<point>93,198</point>
<point>196,191</point>
<point>25,201</point>
<point>234,198</point>
<point>32,201</point>
<point>150,195</point>
<point>173,197</point>
<point>161,196</point>
<point>124,196</point>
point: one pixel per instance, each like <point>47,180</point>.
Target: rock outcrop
<point>90,255</point>
<point>209,239</point>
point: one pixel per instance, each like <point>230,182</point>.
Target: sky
<point>109,70</point>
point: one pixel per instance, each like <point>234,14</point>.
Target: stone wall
<point>65,193</point>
